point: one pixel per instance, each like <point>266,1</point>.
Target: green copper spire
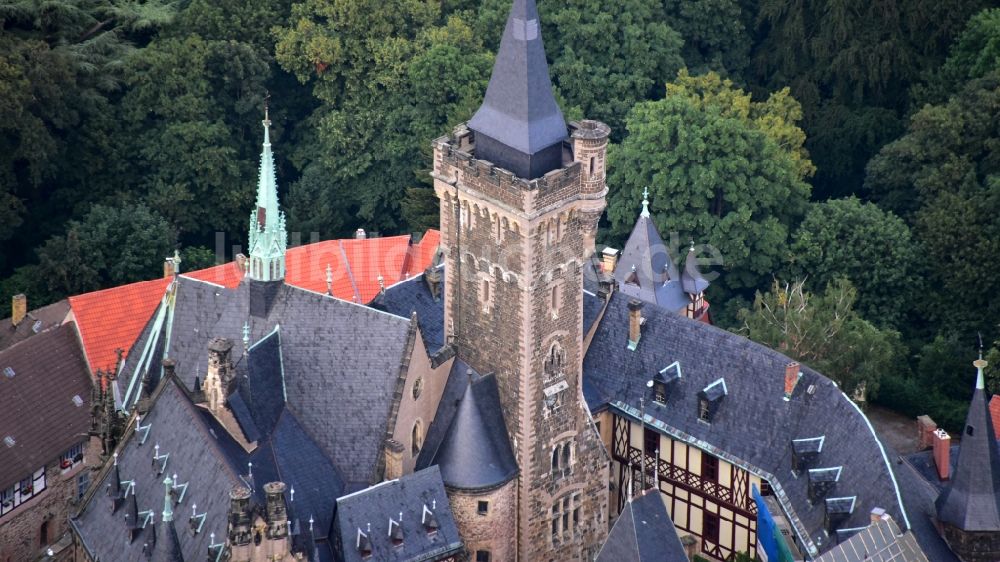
<point>268,237</point>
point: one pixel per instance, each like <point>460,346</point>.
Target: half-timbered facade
<point>707,497</point>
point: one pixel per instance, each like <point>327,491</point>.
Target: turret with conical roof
<point>520,127</point>
<point>968,510</point>
<point>646,269</point>
<point>268,237</point>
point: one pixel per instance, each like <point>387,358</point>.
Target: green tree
<point>714,32</point>
<point>723,176</point>
<point>974,55</point>
<point>606,56</point>
<point>824,332</point>
<point>851,64</point>
<point>943,176</point>
<point>383,100</point>
<point>110,246</point>
<point>872,248</point>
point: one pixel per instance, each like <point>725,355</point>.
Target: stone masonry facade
<point>21,530</point>
<point>515,252</point>
<point>489,529</point>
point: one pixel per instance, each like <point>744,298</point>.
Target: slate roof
<point>475,453</point>
<point>451,399</point>
<point>195,455</point>
<point>616,377</point>
<point>918,496</point>
<point>971,500</point>
<point>203,454</point>
<point>519,109</point>
<point>340,361</point>
<point>643,532</point>
<point>38,410</point>
<point>880,542</point>
<point>413,295</point>
<point>45,317</point>
<point>692,280</point>
<point>370,510</point>
<point>647,271</point>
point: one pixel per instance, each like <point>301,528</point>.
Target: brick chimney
<point>942,453</point>
<point>792,376</point>
<point>878,514</point>
<point>18,308</point>
<point>393,459</point>
<point>925,432</point>
<point>635,321</point>
<point>169,367</point>
<point>609,260</point>
<point>219,376</point>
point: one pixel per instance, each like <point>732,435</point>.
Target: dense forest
<point>841,156</point>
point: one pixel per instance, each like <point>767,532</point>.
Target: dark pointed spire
<point>971,502</point>
<point>520,127</point>
<point>646,270</point>
<point>693,281</point>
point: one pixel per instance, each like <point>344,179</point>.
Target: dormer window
<point>838,511</point>
<point>396,532</point>
<point>364,544</point>
<point>805,452</point>
<point>659,391</point>
<point>663,380</point>
<point>429,520</point>
<point>822,481</point>
<point>709,400</point>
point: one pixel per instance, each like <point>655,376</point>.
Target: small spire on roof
<point>645,203</point>
<point>980,364</point>
<point>329,280</point>
<point>246,335</point>
<point>168,509</point>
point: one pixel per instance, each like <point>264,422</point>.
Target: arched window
<point>417,438</point>
<point>555,459</point>
<point>566,451</point>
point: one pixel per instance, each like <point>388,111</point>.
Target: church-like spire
<point>268,237</point>
<point>520,127</point>
<point>971,502</point>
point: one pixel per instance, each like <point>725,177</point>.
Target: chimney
<point>169,367</point>
<point>635,321</point>
<point>878,514</point>
<point>925,432</point>
<point>792,376</point>
<point>19,308</point>
<point>277,518</point>
<point>219,376</point>
<point>393,459</point>
<point>609,260</point>
<point>432,276</point>
<point>360,234</point>
<point>239,524</point>
<point>241,262</point>
<point>172,265</point>
<point>942,453</point>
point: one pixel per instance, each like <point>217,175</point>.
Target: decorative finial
<point>645,202</point>
<point>168,510</point>
<point>177,262</point>
<point>267,103</point>
<point>692,246</point>
<point>980,364</point>
<point>329,280</point>
<point>246,335</point>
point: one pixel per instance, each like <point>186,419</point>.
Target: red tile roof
<point>112,319</point>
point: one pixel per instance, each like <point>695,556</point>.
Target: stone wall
<point>514,252</point>
<point>493,530</point>
<point>972,546</point>
<point>20,530</point>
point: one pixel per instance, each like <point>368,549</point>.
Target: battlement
<point>454,160</point>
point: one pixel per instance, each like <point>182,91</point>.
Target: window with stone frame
<point>566,516</point>
<point>704,413</point>
<point>72,457</point>
<point>416,438</point>
<point>554,362</point>
<point>482,556</point>
<point>562,459</point>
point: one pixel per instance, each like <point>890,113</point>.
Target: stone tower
<point>268,237</point>
<point>521,193</point>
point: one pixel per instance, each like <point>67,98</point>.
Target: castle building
<point>507,404</point>
<point>521,193</point>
